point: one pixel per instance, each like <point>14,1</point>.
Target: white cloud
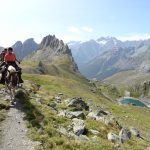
<point>133,36</point>
<point>73,29</point>
<point>87,29</point>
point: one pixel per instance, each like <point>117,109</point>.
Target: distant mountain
<point>1,48</point>
<point>83,52</point>
<point>25,48</point>
<point>112,56</point>
<point>52,57</point>
<point>107,63</point>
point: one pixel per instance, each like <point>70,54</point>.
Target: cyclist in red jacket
<point>10,59</point>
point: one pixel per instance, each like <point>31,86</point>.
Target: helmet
<point>5,49</point>
<point>10,49</point>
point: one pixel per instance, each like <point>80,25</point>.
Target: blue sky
<point>73,19</point>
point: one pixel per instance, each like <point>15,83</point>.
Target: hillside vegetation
<point>43,121</point>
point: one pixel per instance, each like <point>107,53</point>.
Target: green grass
<point>43,122</point>
<point>52,85</point>
<point>4,106</point>
<point>128,78</point>
<point>62,67</point>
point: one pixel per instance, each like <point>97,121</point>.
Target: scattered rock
<point>72,114</point>
<point>39,100</point>
<point>62,113</point>
<point>63,131</point>
<point>60,94</point>
<point>78,103</point>
<point>124,135</point>
<point>78,126</point>
<point>75,114</point>
<point>135,131</point>
<point>92,115</point>
<point>113,137</point>
<point>117,146</point>
<point>96,115</point>
<point>35,87</point>
<point>58,99</point>
<point>95,132</point>
<point>53,105</point>
<point>7,97</point>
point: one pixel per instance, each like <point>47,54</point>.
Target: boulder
<point>97,114</point>
<point>78,126</point>
<point>62,113</point>
<point>75,114</point>
<point>63,131</point>
<point>135,131</point>
<point>124,135</point>
<point>113,137</point>
<point>95,132</point>
<point>78,103</point>
<point>72,114</point>
<point>58,99</point>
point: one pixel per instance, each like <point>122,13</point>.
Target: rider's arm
<point>17,60</point>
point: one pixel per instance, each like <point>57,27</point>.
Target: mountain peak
<point>30,40</point>
<point>57,45</point>
<point>53,51</point>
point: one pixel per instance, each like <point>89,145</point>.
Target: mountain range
<point>25,48</point>
<point>110,55</point>
<point>99,58</point>
<point>22,49</point>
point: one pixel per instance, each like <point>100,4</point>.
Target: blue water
<point>132,101</point>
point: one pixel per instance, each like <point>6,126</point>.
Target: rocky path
<point>14,131</point>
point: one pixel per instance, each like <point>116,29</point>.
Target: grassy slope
<point>51,85</point>
<point>61,67</point>
<point>127,78</point>
<point>134,81</point>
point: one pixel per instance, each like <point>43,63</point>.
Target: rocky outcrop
<point>55,44</point>
<point>53,51</point>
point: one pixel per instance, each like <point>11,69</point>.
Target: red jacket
<point>10,57</point>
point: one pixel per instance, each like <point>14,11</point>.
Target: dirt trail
<point>14,131</point>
